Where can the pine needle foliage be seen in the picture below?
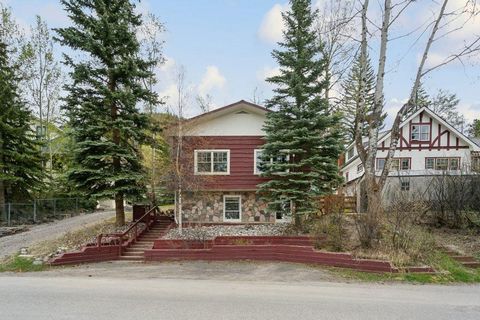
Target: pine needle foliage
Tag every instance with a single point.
(354, 91)
(104, 98)
(20, 157)
(302, 137)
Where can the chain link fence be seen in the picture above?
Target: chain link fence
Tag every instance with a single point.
(43, 210)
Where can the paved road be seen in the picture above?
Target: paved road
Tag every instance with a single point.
(106, 298)
(11, 244)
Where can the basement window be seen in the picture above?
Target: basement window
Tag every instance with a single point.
(405, 186)
(232, 208)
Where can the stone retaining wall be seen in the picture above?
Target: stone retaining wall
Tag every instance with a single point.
(207, 207)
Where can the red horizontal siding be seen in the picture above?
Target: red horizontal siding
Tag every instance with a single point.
(241, 175)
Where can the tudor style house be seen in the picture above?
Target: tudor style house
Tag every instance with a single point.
(428, 146)
(224, 148)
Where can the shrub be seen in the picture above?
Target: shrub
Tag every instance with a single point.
(404, 237)
(330, 231)
(455, 200)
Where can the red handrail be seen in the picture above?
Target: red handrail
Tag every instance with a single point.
(120, 236)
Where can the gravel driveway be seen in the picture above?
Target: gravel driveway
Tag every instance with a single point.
(12, 244)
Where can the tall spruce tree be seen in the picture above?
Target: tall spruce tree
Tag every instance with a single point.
(302, 137)
(20, 158)
(104, 97)
(353, 87)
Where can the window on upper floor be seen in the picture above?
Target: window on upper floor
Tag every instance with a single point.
(475, 163)
(442, 164)
(350, 153)
(41, 132)
(212, 162)
(400, 164)
(420, 132)
(380, 163)
(259, 162)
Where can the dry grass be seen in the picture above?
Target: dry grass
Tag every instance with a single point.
(418, 252)
(74, 240)
(466, 241)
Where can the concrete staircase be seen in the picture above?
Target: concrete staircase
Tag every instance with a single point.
(135, 252)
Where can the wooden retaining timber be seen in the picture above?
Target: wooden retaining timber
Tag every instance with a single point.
(266, 248)
(466, 261)
(88, 254)
(111, 246)
(288, 249)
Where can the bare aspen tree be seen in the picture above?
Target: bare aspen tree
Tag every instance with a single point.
(335, 29)
(205, 103)
(367, 149)
(182, 99)
(257, 96)
(43, 80)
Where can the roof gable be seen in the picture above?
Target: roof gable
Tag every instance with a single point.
(438, 119)
(238, 119)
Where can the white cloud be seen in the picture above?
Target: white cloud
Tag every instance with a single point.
(169, 94)
(212, 79)
(272, 26)
(267, 72)
(433, 59)
(470, 111)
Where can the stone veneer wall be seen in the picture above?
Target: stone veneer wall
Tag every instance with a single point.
(207, 207)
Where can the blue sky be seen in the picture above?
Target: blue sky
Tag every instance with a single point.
(225, 47)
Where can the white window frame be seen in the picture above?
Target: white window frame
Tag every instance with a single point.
(401, 164)
(211, 173)
(360, 168)
(442, 159)
(377, 162)
(255, 169)
(405, 185)
(239, 207)
(350, 153)
(421, 132)
(432, 164)
(285, 218)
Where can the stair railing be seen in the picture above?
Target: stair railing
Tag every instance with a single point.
(132, 233)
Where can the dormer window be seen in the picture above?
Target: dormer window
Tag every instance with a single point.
(420, 132)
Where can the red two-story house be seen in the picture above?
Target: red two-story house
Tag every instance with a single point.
(223, 149)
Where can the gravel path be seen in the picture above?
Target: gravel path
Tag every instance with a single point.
(12, 244)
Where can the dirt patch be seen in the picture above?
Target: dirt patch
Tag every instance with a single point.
(73, 240)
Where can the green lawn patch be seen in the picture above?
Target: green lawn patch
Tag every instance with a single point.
(21, 264)
(449, 271)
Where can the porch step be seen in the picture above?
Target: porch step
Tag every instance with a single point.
(136, 250)
(131, 258)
